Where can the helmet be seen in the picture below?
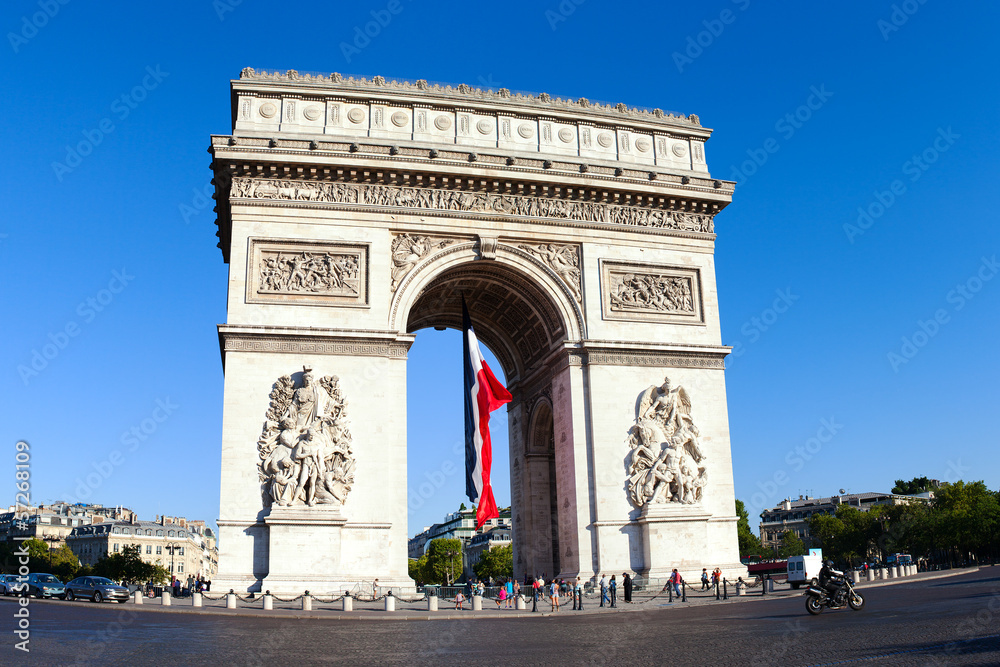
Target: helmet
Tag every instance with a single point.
(828, 563)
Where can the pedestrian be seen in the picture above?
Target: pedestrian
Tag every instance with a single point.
(613, 588)
(509, 587)
(554, 595)
(675, 579)
(579, 594)
(716, 577)
(704, 578)
(375, 589)
(502, 598)
(627, 585)
(604, 589)
(534, 595)
(177, 587)
(517, 589)
(459, 599)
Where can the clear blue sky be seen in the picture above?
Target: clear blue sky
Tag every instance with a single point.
(879, 95)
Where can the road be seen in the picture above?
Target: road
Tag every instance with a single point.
(952, 621)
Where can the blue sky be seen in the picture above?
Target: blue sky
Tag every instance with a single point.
(819, 110)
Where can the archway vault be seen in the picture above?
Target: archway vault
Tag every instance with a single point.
(520, 312)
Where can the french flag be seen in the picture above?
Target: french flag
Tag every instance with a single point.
(483, 395)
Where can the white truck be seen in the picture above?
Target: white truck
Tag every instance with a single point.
(804, 569)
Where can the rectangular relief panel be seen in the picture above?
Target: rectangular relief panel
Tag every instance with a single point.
(651, 293)
(314, 273)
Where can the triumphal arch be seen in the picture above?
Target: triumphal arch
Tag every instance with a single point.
(355, 212)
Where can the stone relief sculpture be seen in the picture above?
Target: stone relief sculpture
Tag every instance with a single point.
(408, 250)
(666, 464)
(460, 200)
(305, 447)
(655, 292)
(310, 272)
(563, 259)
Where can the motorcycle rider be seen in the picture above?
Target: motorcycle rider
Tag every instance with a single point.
(833, 581)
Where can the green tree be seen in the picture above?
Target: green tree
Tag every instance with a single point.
(748, 540)
(417, 568)
(970, 518)
(913, 487)
(496, 563)
(129, 568)
(65, 563)
(444, 561)
(791, 545)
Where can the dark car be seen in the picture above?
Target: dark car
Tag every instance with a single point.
(97, 589)
(45, 586)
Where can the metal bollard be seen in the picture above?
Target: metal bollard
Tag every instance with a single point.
(684, 591)
(231, 599)
(165, 598)
(725, 590)
(390, 602)
(477, 603)
(307, 602)
(137, 597)
(196, 599)
(432, 603)
(268, 601)
(670, 592)
(347, 602)
(718, 595)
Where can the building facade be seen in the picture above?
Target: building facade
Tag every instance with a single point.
(183, 548)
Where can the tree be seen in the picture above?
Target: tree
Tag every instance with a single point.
(913, 487)
(417, 569)
(970, 517)
(791, 545)
(748, 540)
(496, 563)
(444, 561)
(65, 563)
(129, 568)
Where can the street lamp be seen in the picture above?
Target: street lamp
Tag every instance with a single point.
(451, 565)
(171, 547)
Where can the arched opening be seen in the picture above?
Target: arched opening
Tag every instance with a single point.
(520, 322)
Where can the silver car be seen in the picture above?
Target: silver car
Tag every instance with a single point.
(43, 585)
(7, 584)
(97, 589)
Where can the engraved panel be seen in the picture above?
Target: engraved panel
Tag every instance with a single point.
(651, 293)
(307, 273)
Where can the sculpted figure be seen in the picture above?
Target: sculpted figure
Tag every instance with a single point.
(305, 448)
(666, 461)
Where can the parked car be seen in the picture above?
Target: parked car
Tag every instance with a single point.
(97, 589)
(7, 584)
(43, 585)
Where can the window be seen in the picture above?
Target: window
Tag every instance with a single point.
(159, 533)
(116, 547)
(149, 548)
(180, 567)
(180, 551)
(159, 549)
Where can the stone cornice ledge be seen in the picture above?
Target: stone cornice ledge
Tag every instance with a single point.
(313, 340)
(620, 353)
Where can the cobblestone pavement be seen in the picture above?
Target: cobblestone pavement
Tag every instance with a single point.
(942, 621)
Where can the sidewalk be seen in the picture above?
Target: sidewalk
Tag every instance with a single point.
(417, 610)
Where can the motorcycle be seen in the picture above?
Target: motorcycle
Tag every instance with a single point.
(817, 598)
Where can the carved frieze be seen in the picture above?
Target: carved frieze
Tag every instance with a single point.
(666, 464)
(507, 205)
(649, 292)
(563, 259)
(307, 272)
(305, 446)
(408, 250)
